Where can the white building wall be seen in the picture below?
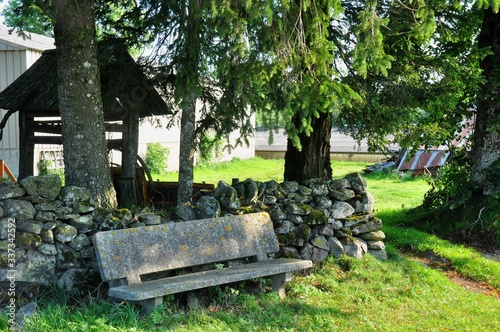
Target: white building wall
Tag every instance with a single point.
(17, 53)
(152, 129)
(151, 132)
(170, 138)
(12, 64)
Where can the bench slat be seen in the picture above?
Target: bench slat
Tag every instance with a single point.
(132, 252)
(188, 282)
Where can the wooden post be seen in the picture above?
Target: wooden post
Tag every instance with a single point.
(130, 145)
(26, 147)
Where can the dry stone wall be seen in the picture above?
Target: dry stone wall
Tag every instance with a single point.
(312, 221)
(54, 225)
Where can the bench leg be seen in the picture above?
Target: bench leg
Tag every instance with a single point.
(149, 304)
(280, 281)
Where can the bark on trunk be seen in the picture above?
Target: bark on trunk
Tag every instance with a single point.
(80, 105)
(187, 150)
(314, 159)
(486, 144)
(189, 80)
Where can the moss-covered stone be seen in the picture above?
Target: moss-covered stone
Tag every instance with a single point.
(36, 268)
(47, 249)
(373, 236)
(104, 220)
(298, 208)
(19, 209)
(65, 233)
(123, 214)
(47, 236)
(29, 226)
(207, 207)
(346, 231)
(45, 216)
(5, 225)
(4, 245)
(299, 198)
(67, 257)
(28, 240)
(357, 182)
(304, 232)
(287, 239)
(316, 217)
(10, 189)
(72, 195)
(289, 252)
(79, 242)
(47, 186)
(5, 255)
(320, 242)
(227, 196)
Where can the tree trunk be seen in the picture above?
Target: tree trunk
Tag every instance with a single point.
(188, 82)
(187, 150)
(314, 159)
(80, 105)
(485, 170)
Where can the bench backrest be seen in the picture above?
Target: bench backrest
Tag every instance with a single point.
(129, 253)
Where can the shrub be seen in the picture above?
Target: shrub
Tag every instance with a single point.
(45, 167)
(210, 148)
(452, 188)
(156, 157)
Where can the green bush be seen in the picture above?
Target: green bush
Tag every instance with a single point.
(210, 148)
(44, 167)
(452, 188)
(156, 157)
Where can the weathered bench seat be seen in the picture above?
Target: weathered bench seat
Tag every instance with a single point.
(126, 257)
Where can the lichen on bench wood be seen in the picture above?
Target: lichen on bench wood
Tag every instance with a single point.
(127, 255)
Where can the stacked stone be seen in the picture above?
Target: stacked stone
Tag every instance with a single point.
(53, 226)
(311, 221)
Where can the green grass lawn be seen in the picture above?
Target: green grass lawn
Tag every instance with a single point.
(256, 168)
(341, 294)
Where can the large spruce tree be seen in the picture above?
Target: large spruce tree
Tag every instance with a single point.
(79, 90)
(80, 105)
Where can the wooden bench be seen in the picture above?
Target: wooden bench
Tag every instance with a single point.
(126, 257)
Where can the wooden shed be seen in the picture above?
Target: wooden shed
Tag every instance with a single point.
(127, 95)
(18, 51)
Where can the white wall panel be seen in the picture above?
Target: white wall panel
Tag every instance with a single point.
(12, 64)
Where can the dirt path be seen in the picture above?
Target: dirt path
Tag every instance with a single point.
(433, 260)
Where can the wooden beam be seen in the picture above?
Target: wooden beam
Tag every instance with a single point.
(31, 139)
(54, 127)
(114, 127)
(115, 144)
(48, 127)
(26, 148)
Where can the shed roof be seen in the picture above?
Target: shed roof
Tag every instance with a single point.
(122, 80)
(23, 40)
